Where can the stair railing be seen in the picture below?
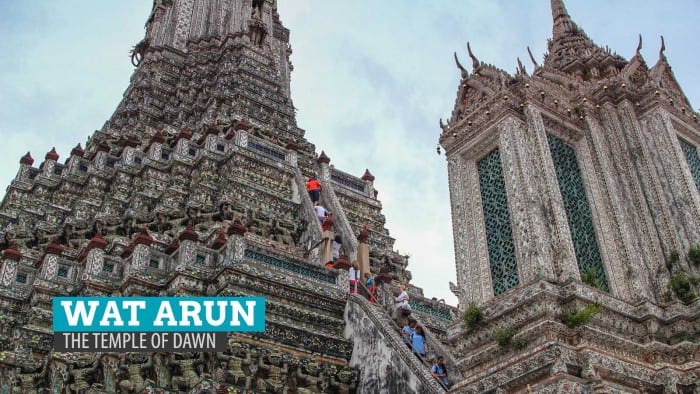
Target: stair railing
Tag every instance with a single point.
(422, 360)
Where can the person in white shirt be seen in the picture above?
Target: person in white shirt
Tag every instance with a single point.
(321, 212)
(401, 301)
(354, 275)
(336, 247)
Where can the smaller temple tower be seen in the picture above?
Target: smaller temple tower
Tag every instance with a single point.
(574, 194)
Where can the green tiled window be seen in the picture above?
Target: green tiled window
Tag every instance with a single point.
(693, 159)
(499, 235)
(578, 212)
(62, 271)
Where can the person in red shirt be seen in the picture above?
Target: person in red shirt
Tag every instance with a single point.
(313, 186)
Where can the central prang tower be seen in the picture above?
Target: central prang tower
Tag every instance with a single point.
(196, 186)
(576, 219)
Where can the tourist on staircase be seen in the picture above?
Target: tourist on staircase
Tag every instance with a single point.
(439, 371)
(321, 212)
(401, 304)
(407, 332)
(354, 275)
(313, 186)
(337, 244)
(418, 342)
(369, 283)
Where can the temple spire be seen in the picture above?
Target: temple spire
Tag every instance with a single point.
(562, 22)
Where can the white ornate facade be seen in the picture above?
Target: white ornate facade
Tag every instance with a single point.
(573, 185)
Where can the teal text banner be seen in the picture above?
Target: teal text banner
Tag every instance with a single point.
(158, 314)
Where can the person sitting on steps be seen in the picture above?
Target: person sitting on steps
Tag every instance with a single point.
(401, 303)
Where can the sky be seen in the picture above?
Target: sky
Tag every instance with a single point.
(371, 80)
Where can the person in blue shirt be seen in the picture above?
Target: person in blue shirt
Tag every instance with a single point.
(439, 371)
(418, 342)
(407, 332)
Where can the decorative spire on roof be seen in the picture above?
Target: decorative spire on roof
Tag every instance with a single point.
(27, 159)
(563, 25)
(571, 51)
(52, 154)
(475, 61)
(322, 158)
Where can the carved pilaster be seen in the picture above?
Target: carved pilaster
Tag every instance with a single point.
(670, 172)
(525, 205)
(616, 239)
(186, 256)
(94, 262)
(549, 215)
(471, 249)
(139, 259)
(235, 250)
(641, 234)
(241, 138)
(8, 272)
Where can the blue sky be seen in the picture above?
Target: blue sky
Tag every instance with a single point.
(370, 81)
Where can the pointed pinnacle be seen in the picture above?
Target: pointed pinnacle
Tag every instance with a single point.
(639, 45)
(532, 58)
(464, 72)
(475, 61)
(562, 22)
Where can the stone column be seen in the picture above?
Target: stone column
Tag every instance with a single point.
(241, 127)
(10, 258)
(49, 163)
(670, 171)
(363, 253)
(471, 249)
(639, 232)
(369, 183)
(550, 230)
(235, 246)
(25, 163)
(291, 154)
(49, 264)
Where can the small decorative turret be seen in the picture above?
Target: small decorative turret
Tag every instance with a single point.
(27, 159)
(237, 228)
(189, 234)
(77, 151)
(242, 124)
(52, 155)
(184, 133)
(368, 176)
(292, 144)
(322, 158)
(12, 252)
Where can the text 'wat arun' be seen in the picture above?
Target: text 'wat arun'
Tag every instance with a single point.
(575, 205)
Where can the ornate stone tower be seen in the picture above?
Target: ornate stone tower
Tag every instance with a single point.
(575, 194)
(196, 185)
